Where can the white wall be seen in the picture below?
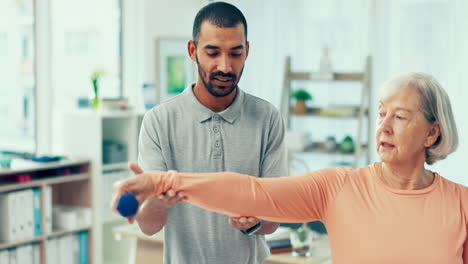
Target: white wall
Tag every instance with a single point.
(167, 19)
(401, 35)
(428, 36)
(144, 23)
(269, 23)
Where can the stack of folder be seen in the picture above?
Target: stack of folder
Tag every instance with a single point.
(279, 245)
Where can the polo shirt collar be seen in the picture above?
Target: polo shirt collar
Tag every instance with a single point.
(202, 113)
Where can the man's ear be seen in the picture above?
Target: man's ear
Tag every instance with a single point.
(433, 135)
(192, 50)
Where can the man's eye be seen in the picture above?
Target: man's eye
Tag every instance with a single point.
(236, 54)
(212, 54)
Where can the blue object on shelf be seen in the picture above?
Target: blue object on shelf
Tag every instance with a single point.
(113, 152)
(127, 205)
(46, 158)
(5, 160)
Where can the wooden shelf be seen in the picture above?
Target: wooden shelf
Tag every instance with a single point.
(4, 245)
(55, 233)
(331, 112)
(111, 218)
(115, 166)
(334, 152)
(38, 166)
(337, 76)
(47, 181)
(318, 151)
(105, 114)
(359, 112)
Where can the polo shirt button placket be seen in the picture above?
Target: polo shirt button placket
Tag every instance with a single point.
(217, 136)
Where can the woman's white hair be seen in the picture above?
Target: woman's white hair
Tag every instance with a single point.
(435, 105)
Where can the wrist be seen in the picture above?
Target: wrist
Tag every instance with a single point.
(253, 229)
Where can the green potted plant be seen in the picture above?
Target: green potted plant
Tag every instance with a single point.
(95, 76)
(301, 97)
(300, 237)
(347, 145)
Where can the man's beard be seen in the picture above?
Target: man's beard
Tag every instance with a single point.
(215, 90)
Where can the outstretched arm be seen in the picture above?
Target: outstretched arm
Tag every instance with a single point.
(285, 199)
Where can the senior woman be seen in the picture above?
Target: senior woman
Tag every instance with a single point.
(392, 211)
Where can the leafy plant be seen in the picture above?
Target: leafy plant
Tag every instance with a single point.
(302, 232)
(95, 75)
(301, 94)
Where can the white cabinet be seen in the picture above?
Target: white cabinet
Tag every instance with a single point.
(84, 133)
(30, 224)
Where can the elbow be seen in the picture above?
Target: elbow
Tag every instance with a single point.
(272, 228)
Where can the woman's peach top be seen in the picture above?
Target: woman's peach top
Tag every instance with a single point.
(367, 221)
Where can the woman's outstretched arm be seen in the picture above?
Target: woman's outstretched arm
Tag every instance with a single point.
(286, 199)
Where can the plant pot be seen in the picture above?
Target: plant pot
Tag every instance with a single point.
(300, 108)
(94, 102)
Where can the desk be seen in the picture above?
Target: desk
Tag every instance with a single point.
(149, 250)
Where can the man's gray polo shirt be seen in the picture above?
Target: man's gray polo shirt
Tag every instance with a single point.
(182, 134)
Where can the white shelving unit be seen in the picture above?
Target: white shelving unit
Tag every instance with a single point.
(83, 135)
(358, 113)
(70, 183)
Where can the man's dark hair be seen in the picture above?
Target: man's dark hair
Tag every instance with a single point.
(220, 14)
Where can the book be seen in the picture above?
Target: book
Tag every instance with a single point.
(279, 245)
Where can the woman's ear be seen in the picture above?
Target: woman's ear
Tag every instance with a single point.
(433, 135)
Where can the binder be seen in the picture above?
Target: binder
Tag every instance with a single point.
(8, 228)
(48, 209)
(12, 256)
(27, 208)
(24, 254)
(75, 240)
(64, 249)
(83, 247)
(52, 254)
(20, 216)
(36, 254)
(37, 211)
(4, 256)
(20, 255)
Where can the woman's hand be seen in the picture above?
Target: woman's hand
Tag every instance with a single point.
(141, 185)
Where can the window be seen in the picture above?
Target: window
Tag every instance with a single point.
(17, 71)
(85, 36)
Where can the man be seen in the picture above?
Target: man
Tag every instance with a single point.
(212, 126)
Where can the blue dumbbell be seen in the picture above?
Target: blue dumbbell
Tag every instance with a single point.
(127, 205)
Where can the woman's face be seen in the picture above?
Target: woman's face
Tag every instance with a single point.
(403, 133)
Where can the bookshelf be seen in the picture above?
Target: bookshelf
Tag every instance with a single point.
(64, 183)
(95, 128)
(327, 114)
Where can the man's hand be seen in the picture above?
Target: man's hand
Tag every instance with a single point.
(243, 223)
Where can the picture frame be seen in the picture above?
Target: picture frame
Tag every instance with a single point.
(174, 68)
